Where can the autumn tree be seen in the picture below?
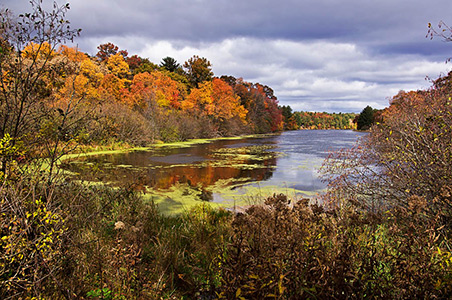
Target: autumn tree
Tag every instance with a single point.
(73, 54)
(226, 102)
(109, 49)
(111, 88)
(116, 79)
(404, 161)
(217, 100)
(259, 100)
(74, 96)
(29, 43)
(198, 70)
(275, 117)
(84, 79)
(156, 87)
(117, 66)
(199, 100)
(271, 118)
(135, 62)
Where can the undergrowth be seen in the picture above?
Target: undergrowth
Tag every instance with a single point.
(74, 241)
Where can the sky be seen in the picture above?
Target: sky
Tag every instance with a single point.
(317, 55)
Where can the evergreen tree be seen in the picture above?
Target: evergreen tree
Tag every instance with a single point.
(365, 118)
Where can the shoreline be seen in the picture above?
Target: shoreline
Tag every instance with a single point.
(184, 144)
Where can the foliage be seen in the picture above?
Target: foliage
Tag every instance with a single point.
(109, 49)
(301, 251)
(198, 70)
(120, 247)
(33, 231)
(264, 114)
(408, 154)
(321, 120)
(12, 153)
(216, 99)
(383, 232)
(117, 65)
(68, 97)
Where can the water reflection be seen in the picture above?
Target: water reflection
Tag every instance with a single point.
(289, 160)
(246, 160)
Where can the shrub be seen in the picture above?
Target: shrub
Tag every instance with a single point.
(33, 231)
(296, 251)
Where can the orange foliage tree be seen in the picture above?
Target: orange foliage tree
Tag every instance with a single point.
(72, 53)
(215, 99)
(85, 78)
(155, 86)
(111, 88)
(226, 102)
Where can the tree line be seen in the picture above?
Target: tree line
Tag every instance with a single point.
(317, 120)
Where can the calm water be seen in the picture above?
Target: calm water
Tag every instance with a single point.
(304, 152)
(225, 168)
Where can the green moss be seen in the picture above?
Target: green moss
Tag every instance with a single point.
(229, 193)
(192, 142)
(249, 194)
(177, 199)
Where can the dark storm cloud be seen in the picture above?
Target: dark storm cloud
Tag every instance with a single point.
(200, 21)
(316, 54)
(207, 20)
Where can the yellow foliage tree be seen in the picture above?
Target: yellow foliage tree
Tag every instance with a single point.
(42, 51)
(118, 66)
(200, 99)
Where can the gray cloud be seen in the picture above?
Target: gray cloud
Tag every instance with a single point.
(325, 55)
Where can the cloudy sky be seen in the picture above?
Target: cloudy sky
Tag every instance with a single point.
(317, 55)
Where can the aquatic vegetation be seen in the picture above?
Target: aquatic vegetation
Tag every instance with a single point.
(179, 198)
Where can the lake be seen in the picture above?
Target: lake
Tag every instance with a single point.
(227, 172)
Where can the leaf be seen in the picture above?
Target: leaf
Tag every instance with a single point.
(238, 292)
